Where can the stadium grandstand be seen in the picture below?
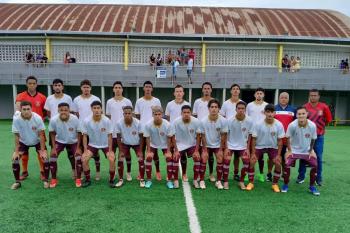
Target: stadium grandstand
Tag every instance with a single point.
(231, 45)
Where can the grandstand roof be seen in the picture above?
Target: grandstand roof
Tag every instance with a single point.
(168, 20)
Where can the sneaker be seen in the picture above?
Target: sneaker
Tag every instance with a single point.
(196, 184)
(148, 184)
(319, 183)
(78, 183)
(300, 181)
(284, 188)
(53, 183)
(226, 187)
(218, 185)
(16, 185)
(202, 184)
(119, 183)
(236, 177)
(250, 187)
(314, 190)
(269, 177)
(142, 183)
(212, 178)
(111, 184)
(24, 176)
(176, 184)
(184, 178)
(260, 177)
(98, 176)
(170, 185)
(46, 185)
(276, 188)
(158, 176)
(86, 184)
(242, 186)
(128, 176)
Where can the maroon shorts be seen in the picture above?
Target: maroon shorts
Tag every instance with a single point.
(23, 148)
(189, 152)
(155, 151)
(271, 152)
(237, 153)
(212, 151)
(95, 150)
(71, 148)
(311, 161)
(126, 149)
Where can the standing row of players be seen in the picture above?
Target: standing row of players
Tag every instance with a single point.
(237, 129)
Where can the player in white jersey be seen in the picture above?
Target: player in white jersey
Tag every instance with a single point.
(255, 110)
(172, 112)
(52, 102)
(214, 134)
(63, 130)
(238, 142)
(186, 142)
(200, 110)
(114, 110)
(143, 112)
(98, 128)
(228, 110)
(29, 131)
(267, 138)
(158, 134)
(128, 131)
(301, 136)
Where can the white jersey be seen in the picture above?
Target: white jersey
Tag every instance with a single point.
(186, 134)
(130, 134)
(256, 111)
(300, 137)
(173, 109)
(238, 133)
(16, 114)
(228, 109)
(98, 131)
(52, 103)
(114, 108)
(158, 135)
(213, 130)
(28, 130)
(200, 108)
(267, 135)
(83, 106)
(66, 131)
(143, 107)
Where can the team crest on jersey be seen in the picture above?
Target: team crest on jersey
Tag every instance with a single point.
(71, 129)
(34, 128)
(103, 129)
(37, 103)
(191, 130)
(273, 133)
(307, 135)
(320, 112)
(218, 129)
(133, 132)
(162, 134)
(244, 129)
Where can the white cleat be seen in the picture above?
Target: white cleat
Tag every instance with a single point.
(226, 186)
(184, 178)
(142, 183)
(176, 184)
(212, 178)
(128, 176)
(196, 184)
(119, 183)
(202, 184)
(46, 185)
(98, 176)
(218, 185)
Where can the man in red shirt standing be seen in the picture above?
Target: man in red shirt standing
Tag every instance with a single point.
(320, 114)
(38, 101)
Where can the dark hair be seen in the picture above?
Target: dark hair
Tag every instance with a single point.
(214, 101)
(241, 103)
(179, 86)
(299, 108)
(95, 103)
(269, 108)
(25, 103)
(63, 104)
(235, 85)
(31, 78)
(85, 82)
(207, 83)
(127, 107)
(314, 90)
(56, 81)
(147, 82)
(118, 83)
(260, 89)
(186, 107)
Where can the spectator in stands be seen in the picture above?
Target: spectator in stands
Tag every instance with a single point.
(189, 70)
(29, 58)
(41, 59)
(68, 58)
(182, 56)
(192, 54)
(292, 64)
(170, 57)
(297, 64)
(152, 60)
(159, 60)
(174, 64)
(286, 63)
(346, 66)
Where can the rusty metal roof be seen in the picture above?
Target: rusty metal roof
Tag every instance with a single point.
(173, 20)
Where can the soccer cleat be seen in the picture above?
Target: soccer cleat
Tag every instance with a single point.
(184, 178)
(86, 184)
(242, 186)
(46, 185)
(176, 184)
(195, 184)
(314, 191)
(269, 177)
(250, 187)
(24, 176)
(158, 176)
(202, 184)
(128, 176)
(98, 176)
(226, 187)
(236, 177)
(142, 183)
(170, 185)
(319, 183)
(276, 188)
(212, 178)
(148, 184)
(261, 177)
(53, 183)
(111, 184)
(300, 181)
(78, 183)
(119, 183)
(16, 185)
(218, 185)
(284, 188)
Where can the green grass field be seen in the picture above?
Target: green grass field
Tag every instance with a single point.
(101, 209)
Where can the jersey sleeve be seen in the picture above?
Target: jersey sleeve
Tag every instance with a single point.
(224, 128)
(83, 127)
(255, 131)
(280, 131)
(289, 131)
(117, 128)
(15, 126)
(223, 110)
(52, 126)
(167, 113)
(314, 132)
(328, 114)
(108, 108)
(158, 103)
(75, 105)
(137, 107)
(109, 126)
(171, 130)
(47, 105)
(129, 103)
(195, 106)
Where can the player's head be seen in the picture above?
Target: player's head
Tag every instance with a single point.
(283, 99)
(240, 108)
(207, 88)
(118, 88)
(85, 87)
(32, 83)
(96, 108)
(127, 112)
(186, 112)
(301, 114)
(269, 111)
(157, 113)
(259, 94)
(214, 106)
(314, 96)
(26, 109)
(57, 86)
(64, 111)
(147, 88)
(179, 92)
(235, 89)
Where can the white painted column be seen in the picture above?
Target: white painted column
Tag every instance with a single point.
(190, 95)
(103, 99)
(14, 95)
(276, 96)
(137, 93)
(223, 95)
(49, 90)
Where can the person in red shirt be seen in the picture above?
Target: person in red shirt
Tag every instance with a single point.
(320, 114)
(38, 101)
(192, 54)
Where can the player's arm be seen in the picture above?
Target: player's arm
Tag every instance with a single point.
(52, 135)
(110, 142)
(42, 151)
(80, 139)
(253, 144)
(85, 142)
(312, 144)
(328, 115)
(280, 145)
(249, 144)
